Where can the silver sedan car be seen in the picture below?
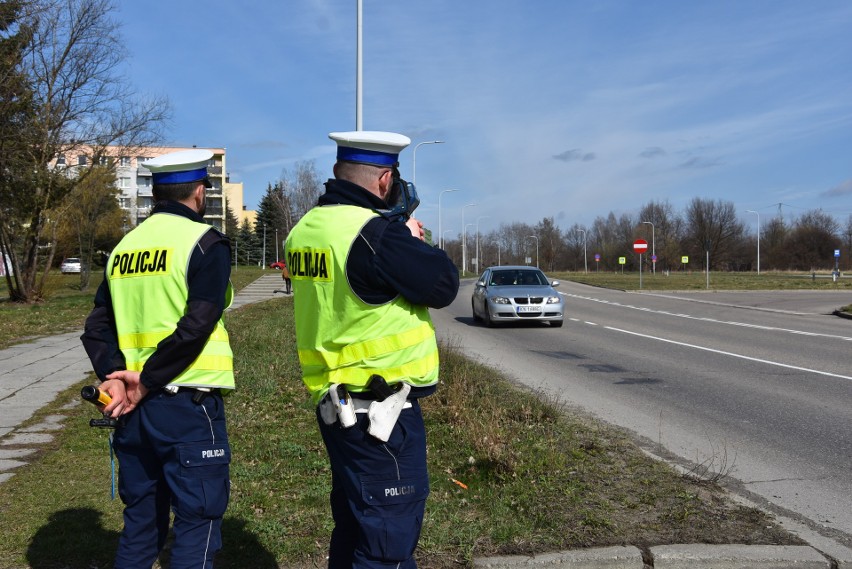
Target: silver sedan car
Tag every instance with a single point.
(515, 294)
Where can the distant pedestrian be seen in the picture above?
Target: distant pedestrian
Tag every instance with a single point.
(157, 342)
(364, 281)
(285, 274)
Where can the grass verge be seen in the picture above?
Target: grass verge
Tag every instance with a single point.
(510, 473)
(67, 306)
(697, 280)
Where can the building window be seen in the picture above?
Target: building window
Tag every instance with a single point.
(124, 183)
(60, 160)
(81, 160)
(143, 182)
(103, 161)
(140, 159)
(144, 201)
(124, 160)
(124, 202)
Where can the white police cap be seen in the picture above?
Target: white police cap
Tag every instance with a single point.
(370, 146)
(180, 167)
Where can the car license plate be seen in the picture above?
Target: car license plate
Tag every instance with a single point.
(529, 309)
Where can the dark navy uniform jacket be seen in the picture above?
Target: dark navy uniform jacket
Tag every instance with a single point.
(207, 277)
(385, 261)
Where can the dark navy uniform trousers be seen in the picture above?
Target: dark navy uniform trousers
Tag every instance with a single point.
(378, 493)
(173, 454)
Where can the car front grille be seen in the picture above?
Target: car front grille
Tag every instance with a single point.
(529, 300)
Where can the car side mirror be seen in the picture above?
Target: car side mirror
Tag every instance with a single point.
(480, 283)
(554, 283)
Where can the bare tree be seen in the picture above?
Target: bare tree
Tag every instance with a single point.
(90, 215)
(774, 243)
(847, 233)
(551, 243)
(666, 233)
(812, 241)
(79, 104)
(713, 226)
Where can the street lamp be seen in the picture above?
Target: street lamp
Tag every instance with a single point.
(536, 249)
(585, 262)
(276, 243)
(414, 158)
(442, 236)
(758, 238)
(477, 241)
(440, 232)
(264, 245)
(464, 244)
(653, 248)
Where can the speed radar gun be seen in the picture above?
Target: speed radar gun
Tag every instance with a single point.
(100, 399)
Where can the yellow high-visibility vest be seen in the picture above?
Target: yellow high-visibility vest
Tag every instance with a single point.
(146, 274)
(340, 338)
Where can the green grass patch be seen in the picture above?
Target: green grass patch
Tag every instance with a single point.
(511, 472)
(697, 280)
(66, 307)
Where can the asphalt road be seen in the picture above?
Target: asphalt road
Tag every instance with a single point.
(755, 385)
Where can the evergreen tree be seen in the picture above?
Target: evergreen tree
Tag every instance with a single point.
(232, 224)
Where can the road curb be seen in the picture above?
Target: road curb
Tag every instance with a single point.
(688, 556)
(616, 557)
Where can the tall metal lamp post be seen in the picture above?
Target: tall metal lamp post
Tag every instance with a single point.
(414, 158)
(264, 246)
(585, 262)
(758, 238)
(464, 241)
(653, 247)
(440, 230)
(478, 265)
(536, 249)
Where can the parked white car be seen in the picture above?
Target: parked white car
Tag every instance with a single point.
(70, 265)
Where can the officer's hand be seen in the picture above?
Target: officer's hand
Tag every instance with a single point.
(416, 228)
(115, 389)
(135, 390)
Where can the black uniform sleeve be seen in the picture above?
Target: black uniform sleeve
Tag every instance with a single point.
(386, 261)
(208, 274)
(100, 338)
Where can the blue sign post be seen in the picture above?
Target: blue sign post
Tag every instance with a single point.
(836, 273)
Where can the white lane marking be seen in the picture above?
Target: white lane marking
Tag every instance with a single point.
(733, 355)
(713, 320)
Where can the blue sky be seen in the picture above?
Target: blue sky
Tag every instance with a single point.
(548, 108)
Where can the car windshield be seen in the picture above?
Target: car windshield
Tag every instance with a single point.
(72, 260)
(517, 277)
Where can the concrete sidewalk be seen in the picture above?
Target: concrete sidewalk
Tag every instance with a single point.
(32, 374)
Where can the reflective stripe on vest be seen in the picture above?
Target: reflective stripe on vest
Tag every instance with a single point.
(146, 274)
(340, 338)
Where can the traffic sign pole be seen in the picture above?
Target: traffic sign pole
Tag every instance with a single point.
(640, 246)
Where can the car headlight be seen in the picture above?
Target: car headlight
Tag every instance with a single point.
(553, 300)
(499, 300)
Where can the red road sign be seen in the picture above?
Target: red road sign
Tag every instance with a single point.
(640, 245)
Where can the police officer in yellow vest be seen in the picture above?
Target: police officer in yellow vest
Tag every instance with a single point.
(157, 342)
(363, 281)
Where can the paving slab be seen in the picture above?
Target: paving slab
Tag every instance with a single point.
(618, 557)
(700, 556)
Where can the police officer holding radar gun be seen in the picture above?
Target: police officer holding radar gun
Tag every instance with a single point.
(363, 281)
(157, 342)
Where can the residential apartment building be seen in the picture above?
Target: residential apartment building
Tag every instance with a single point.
(134, 181)
(234, 197)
